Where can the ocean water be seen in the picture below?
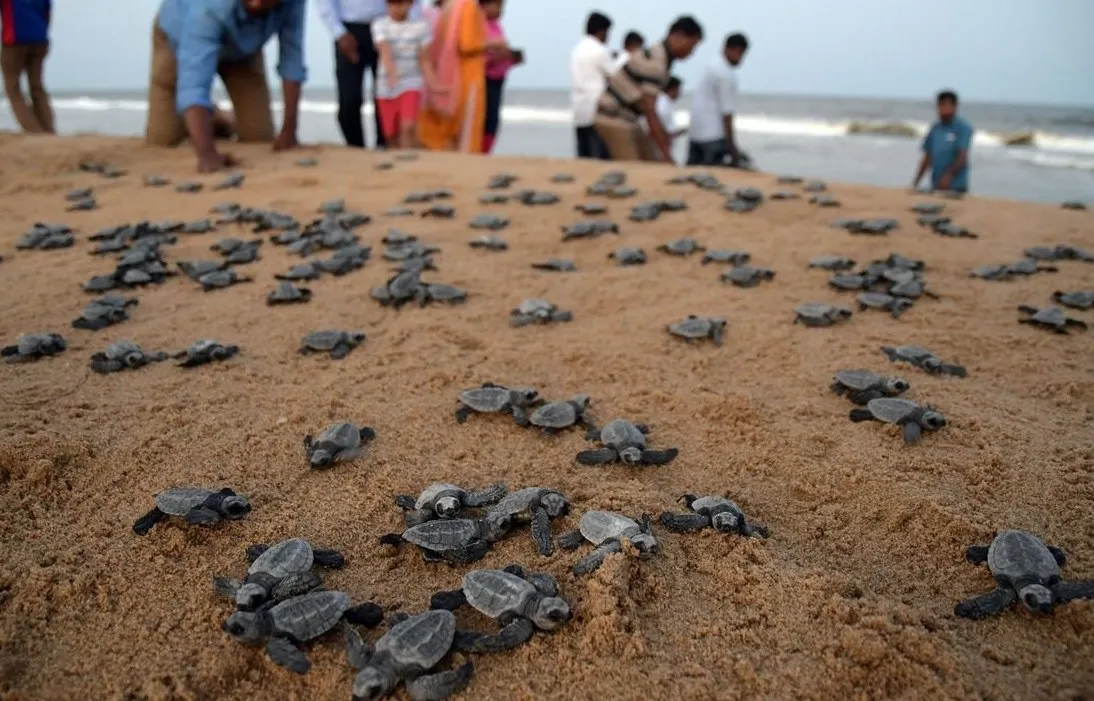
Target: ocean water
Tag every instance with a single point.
(806, 136)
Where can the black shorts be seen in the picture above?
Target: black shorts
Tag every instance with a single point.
(590, 145)
(494, 89)
(707, 153)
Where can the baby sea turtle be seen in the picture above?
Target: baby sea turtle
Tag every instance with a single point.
(218, 279)
(537, 311)
(519, 606)
(644, 213)
(911, 417)
(824, 201)
(953, 231)
(306, 162)
(589, 228)
(298, 620)
(277, 572)
(558, 265)
(681, 247)
(490, 398)
(234, 180)
(337, 443)
(927, 208)
(815, 314)
(501, 181)
(205, 351)
(156, 181)
(1074, 204)
(85, 205)
(493, 198)
(33, 346)
(697, 328)
(489, 222)
(860, 386)
(288, 293)
(624, 442)
(880, 300)
(440, 211)
(188, 187)
(413, 646)
(788, 180)
(607, 530)
(1025, 569)
(537, 197)
(194, 269)
(399, 212)
(534, 505)
(123, 354)
(440, 292)
(104, 311)
(454, 540)
(815, 186)
(304, 271)
(741, 206)
(337, 343)
(1081, 299)
(849, 282)
(628, 256)
(728, 256)
(747, 276)
(562, 178)
(489, 243)
(784, 195)
(556, 416)
(719, 513)
(923, 359)
(196, 504)
(591, 208)
(1051, 318)
(443, 500)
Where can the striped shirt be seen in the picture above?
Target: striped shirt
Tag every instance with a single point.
(645, 74)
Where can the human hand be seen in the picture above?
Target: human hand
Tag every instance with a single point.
(392, 81)
(347, 46)
(944, 182)
(212, 162)
(285, 141)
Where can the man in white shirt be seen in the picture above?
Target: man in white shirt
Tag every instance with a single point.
(711, 140)
(666, 109)
(590, 65)
(349, 22)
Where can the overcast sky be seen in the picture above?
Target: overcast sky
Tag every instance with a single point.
(989, 50)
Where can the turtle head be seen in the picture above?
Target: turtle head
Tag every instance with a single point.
(524, 396)
(133, 359)
(373, 683)
(235, 507)
(581, 401)
(1036, 597)
(247, 627)
(631, 455)
(555, 504)
(896, 385)
(551, 613)
(495, 526)
(726, 522)
(647, 545)
(933, 420)
(932, 364)
(321, 458)
(250, 596)
(447, 506)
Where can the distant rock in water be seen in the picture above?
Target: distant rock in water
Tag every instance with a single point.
(1021, 138)
(900, 129)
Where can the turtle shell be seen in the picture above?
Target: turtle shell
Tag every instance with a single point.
(343, 435)
(445, 293)
(1050, 316)
(122, 349)
(554, 415)
(859, 379)
(692, 327)
(705, 505)
(876, 300)
(620, 433)
(282, 559)
(286, 292)
(433, 492)
(485, 399)
(1015, 555)
(534, 306)
(891, 409)
(179, 500)
(496, 593)
(518, 502)
(421, 641)
(324, 340)
(444, 534)
(724, 255)
(599, 526)
(310, 615)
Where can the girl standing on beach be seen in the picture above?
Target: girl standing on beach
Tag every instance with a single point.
(498, 62)
(404, 72)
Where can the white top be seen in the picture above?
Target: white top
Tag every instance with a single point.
(714, 97)
(590, 65)
(666, 111)
(335, 13)
(621, 59)
(407, 39)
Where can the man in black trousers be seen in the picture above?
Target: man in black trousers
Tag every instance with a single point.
(349, 21)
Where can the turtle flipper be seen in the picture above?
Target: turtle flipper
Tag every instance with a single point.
(520, 416)
(417, 516)
(519, 320)
(717, 335)
(487, 496)
(340, 351)
(309, 445)
(406, 502)
(977, 554)
(684, 523)
(541, 531)
(593, 560)
(912, 431)
(863, 397)
(448, 600)
(472, 552)
(287, 655)
(367, 434)
(331, 559)
(518, 632)
(659, 457)
(571, 540)
(441, 685)
(593, 434)
(955, 370)
(989, 604)
(201, 514)
(357, 651)
(145, 523)
(1058, 555)
(294, 585)
(463, 412)
(1063, 592)
(544, 582)
(226, 587)
(858, 415)
(254, 551)
(753, 530)
(600, 456)
(367, 614)
(643, 429)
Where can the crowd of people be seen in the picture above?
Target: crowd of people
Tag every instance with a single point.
(438, 71)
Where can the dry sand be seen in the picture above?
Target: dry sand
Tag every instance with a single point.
(851, 597)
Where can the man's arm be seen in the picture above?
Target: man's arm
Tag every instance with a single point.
(291, 68)
(964, 141)
(197, 56)
(328, 14)
(726, 91)
(657, 129)
(925, 160)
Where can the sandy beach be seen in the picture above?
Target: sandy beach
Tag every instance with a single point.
(851, 597)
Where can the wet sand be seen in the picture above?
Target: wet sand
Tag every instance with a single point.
(851, 596)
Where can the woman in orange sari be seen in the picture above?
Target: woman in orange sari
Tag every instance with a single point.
(453, 119)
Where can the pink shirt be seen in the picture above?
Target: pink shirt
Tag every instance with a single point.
(496, 68)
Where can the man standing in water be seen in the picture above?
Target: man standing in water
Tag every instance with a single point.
(24, 48)
(711, 137)
(350, 23)
(193, 41)
(946, 148)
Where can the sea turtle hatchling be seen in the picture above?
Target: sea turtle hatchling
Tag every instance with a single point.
(453, 540)
(913, 418)
(337, 344)
(860, 386)
(444, 500)
(490, 222)
(951, 230)
(815, 314)
(720, 513)
(85, 205)
(927, 208)
(1025, 569)
(298, 620)
(33, 346)
(923, 359)
(489, 243)
(558, 265)
(205, 351)
(412, 647)
(537, 311)
(880, 300)
(440, 211)
(844, 281)
(698, 328)
(196, 504)
(536, 506)
(235, 180)
(277, 572)
(815, 186)
(304, 271)
(553, 417)
(591, 208)
(681, 247)
(644, 213)
(607, 530)
(726, 256)
(624, 442)
(440, 292)
(1051, 318)
(589, 228)
(121, 355)
(490, 398)
(561, 178)
(337, 443)
(824, 201)
(519, 604)
(155, 181)
(627, 256)
(493, 198)
(747, 276)
(533, 198)
(188, 187)
(103, 312)
(1080, 299)
(218, 279)
(1074, 205)
(288, 293)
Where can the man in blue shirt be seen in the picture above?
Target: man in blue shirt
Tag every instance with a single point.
(193, 41)
(946, 148)
(24, 26)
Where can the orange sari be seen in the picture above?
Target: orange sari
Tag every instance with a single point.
(454, 121)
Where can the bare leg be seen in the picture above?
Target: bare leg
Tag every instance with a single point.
(14, 62)
(250, 95)
(164, 126)
(39, 98)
